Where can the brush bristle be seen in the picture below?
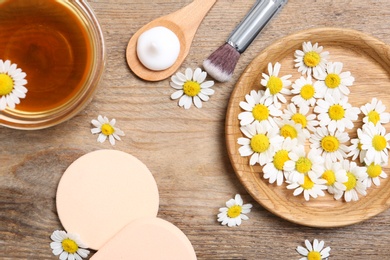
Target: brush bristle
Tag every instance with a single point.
(221, 63)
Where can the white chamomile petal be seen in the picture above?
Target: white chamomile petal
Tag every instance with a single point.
(106, 129)
(256, 108)
(275, 85)
(191, 88)
(12, 83)
(234, 212)
(68, 246)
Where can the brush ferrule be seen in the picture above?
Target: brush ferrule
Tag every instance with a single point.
(252, 24)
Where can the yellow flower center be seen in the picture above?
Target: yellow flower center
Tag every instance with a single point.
(313, 255)
(107, 129)
(374, 170)
(260, 112)
(191, 88)
(288, 131)
(307, 183)
(373, 117)
(234, 211)
(329, 176)
(260, 143)
(300, 119)
(351, 183)
(6, 84)
(359, 146)
(330, 144)
(332, 80)
(379, 142)
(307, 91)
(69, 246)
(336, 112)
(274, 84)
(303, 165)
(280, 158)
(311, 58)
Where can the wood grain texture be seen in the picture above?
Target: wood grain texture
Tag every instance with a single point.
(184, 149)
(366, 58)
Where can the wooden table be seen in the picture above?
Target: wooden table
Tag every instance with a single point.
(184, 149)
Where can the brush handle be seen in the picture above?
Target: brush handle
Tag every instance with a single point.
(252, 24)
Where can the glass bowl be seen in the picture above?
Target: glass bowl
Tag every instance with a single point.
(60, 46)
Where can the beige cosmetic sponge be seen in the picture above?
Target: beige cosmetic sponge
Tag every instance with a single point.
(148, 238)
(103, 191)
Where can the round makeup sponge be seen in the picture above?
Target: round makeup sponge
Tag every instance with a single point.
(103, 191)
(148, 238)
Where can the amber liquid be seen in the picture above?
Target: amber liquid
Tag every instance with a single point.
(50, 43)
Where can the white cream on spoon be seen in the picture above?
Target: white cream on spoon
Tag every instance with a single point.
(158, 48)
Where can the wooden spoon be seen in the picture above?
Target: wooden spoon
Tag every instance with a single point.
(184, 23)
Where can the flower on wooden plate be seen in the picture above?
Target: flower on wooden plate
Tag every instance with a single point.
(281, 162)
(301, 116)
(355, 149)
(304, 164)
(330, 144)
(356, 184)
(311, 185)
(191, 87)
(334, 82)
(68, 246)
(12, 84)
(315, 251)
(335, 176)
(288, 128)
(275, 86)
(259, 143)
(234, 212)
(106, 129)
(306, 92)
(375, 141)
(336, 112)
(257, 108)
(374, 112)
(374, 171)
(312, 59)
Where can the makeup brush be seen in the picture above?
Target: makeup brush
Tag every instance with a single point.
(221, 63)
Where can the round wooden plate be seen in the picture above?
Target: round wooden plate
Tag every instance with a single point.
(368, 59)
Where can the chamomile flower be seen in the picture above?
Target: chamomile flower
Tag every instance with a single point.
(234, 212)
(274, 170)
(12, 85)
(334, 82)
(374, 171)
(375, 140)
(301, 116)
(259, 143)
(357, 181)
(330, 144)
(106, 129)
(374, 112)
(312, 59)
(276, 86)
(355, 149)
(258, 109)
(315, 251)
(191, 87)
(305, 91)
(288, 128)
(335, 176)
(336, 113)
(68, 246)
(311, 186)
(304, 164)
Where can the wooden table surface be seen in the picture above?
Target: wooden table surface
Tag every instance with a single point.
(184, 149)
